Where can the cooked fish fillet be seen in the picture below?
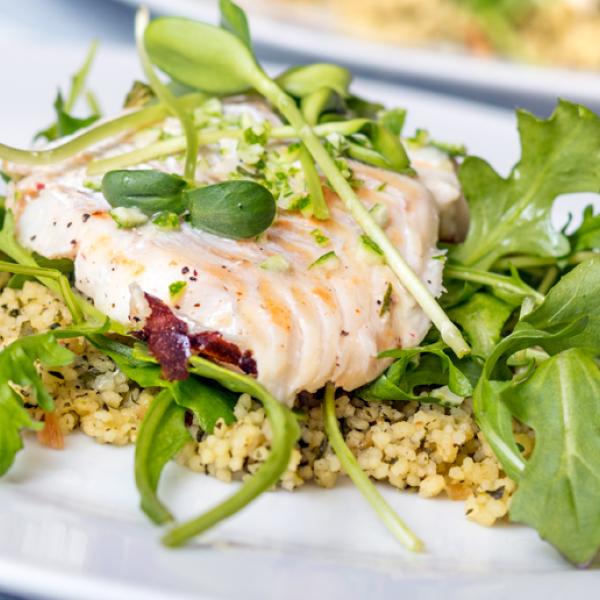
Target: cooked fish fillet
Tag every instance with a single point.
(305, 326)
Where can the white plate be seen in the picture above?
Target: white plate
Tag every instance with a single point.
(312, 33)
(70, 526)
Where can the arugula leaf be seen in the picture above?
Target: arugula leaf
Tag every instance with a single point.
(17, 367)
(587, 236)
(207, 401)
(482, 318)
(573, 298)
(559, 156)
(162, 435)
(412, 370)
(65, 123)
(559, 488)
(64, 265)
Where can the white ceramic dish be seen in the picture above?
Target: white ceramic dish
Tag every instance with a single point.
(311, 32)
(70, 527)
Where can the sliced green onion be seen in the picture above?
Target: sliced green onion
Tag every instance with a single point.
(276, 264)
(390, 518)
(176, 289)
(128, 217)
(328, 261)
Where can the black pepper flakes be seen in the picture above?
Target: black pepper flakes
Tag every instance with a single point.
(85, 217)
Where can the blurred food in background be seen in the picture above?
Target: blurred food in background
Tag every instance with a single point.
(552, 32)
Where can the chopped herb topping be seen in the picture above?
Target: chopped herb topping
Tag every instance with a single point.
(167, 220)
(327, 261)
(127, 218)
(319, 237)
(276, 264)
(387, 300)
(176, 289)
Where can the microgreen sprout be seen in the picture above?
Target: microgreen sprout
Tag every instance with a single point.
(386, 513)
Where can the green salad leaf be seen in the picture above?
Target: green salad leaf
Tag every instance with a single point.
(420, 367)
(18, 368)
(587, 235)
(66, 123)
(233, 18)
(161, 436)
(559, 155)
(233, 209)
(149, 190)
(573, 298)
(482, 318)
(558, 396)
(559, 488)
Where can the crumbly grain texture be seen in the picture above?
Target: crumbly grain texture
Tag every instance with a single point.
(425, 448)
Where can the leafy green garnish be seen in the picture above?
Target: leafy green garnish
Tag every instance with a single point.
(587, 236)
(18, 367)
(65, 123)
(166, 96)
(414, 369)
(482, 318)
(559, 156)
(560, 401)
(149, 190)
(559, 488)
(161, 436)
(234, 19)
(232, 209)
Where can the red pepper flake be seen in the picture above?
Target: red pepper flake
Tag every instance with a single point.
(40, 186)
(171, 343)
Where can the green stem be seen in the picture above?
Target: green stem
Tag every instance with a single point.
(178, 144)
(166, 97)
(501, 282)
(131, 121)
(348, 461)
(548, 281)
(155, 415)
(52, 279)
(284, 430)
(313, 184)
(523, 262)
(80, 78)
(408, 278)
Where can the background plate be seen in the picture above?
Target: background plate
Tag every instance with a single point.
(311, 32)
(70, 526)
